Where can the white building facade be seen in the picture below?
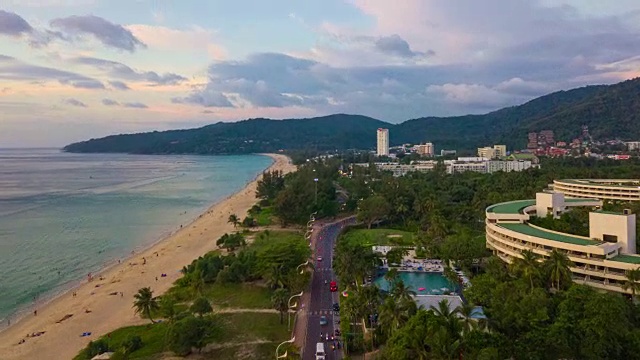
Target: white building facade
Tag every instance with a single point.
(383, 142)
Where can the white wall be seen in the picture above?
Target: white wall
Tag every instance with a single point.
(619, 225)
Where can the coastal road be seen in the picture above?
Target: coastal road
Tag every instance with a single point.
(322, 299)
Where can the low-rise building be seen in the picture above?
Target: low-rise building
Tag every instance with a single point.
(600, 260)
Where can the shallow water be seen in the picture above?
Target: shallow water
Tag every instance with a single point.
(65, 215)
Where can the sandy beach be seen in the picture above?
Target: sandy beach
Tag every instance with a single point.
(91, 305)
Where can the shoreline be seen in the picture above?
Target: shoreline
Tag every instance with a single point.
(97, 307)
(24, 311)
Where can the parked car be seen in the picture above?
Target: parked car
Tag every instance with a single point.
(323, 320)
(333, 286)
(336, 307)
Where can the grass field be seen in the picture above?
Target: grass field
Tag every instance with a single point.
(241, 296)
(379, 237)
(264, 217)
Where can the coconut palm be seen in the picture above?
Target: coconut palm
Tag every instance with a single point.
(393, 314)
(466, 310)
(144, 302)
(233, 218)
(632, 282)
(275, 277)
(391, 276)
(402, 292)
(528, 266)
(557, 266)
(279, 301)
(444, 346)
(447, 318)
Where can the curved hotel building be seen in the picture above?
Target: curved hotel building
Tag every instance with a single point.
(612, 189)
(600, 260)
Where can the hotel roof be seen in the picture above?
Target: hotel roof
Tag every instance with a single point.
(548, 235)
(512, 207)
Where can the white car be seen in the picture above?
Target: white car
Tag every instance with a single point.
(319, 258)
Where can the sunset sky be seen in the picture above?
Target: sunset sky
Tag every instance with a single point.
(76, 69)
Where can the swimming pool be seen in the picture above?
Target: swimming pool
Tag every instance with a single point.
(433, 283)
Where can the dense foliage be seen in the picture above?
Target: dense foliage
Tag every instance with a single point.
(609, 111)
(533, 309)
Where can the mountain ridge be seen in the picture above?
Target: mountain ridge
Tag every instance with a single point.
(610, 111)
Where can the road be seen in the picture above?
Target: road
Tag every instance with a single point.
(322, 299)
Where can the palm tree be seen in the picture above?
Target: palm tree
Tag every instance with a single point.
(279, 301)
(557, 266)
(451, 275)
(275, 277)
(391, 276)
(443, 345)
(468, 323)
(527, 266)
(233, 218)
(392, 315)
(145, 302)
(632, 282)
(448, 318)
(402, 292)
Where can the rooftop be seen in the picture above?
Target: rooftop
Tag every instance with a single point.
(616, 183)
(631, 259)
(548, 235)
(512, 207)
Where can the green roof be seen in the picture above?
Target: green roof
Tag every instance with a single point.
(628, 183)
(541, 233)
(610, 212)
(512, 207)
(632, 259)
(569, 200)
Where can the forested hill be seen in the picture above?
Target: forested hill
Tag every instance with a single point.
(610, 111)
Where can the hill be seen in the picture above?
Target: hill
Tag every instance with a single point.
(610, 111)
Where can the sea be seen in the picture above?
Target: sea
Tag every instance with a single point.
(64, 215)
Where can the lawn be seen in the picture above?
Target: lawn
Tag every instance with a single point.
(379, 237)
(241, 296)
(247, 327)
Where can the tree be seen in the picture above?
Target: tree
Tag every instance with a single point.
(145, 303)
(447, 318)
(557, 266)
(190, 332)
(468, 323)
(527, 266)
(269, 185)
(632, 282)
(391, 276)
(395, 255)
(231, 241)
(393, 314)
(131, 344)
(402, 292)
(201, 306)
(167, 307)
(275, 276)
(372, 209)
(233, 219)
(279, 301)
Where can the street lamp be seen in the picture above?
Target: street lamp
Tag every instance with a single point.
(303, 264)
(285, 353)
(315, 180)
(291, 307)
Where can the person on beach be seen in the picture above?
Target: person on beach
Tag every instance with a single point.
(144, 261)
(35, 312)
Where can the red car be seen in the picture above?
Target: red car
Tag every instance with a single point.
(333, 286)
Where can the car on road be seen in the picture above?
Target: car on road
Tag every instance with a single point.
(323, 320)
(336, 307)
(319, 258)
(320, 353)
(333, 286)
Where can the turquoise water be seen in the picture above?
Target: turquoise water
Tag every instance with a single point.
(432, 282)
(65, 215)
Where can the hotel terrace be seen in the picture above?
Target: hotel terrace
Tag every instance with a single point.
(600, 260)
(625, 190)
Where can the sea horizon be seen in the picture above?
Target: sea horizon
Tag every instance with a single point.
(65, 215)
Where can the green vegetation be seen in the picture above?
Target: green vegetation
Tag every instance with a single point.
(609, 111)
(221, 302)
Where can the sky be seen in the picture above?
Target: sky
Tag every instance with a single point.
(71, 70)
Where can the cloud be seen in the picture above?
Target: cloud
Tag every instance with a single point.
(124, 72)
(135, 105)
(13, 69)
(13, 25)
(109, 102)
(110, 34)
(119, 85)
(193, 39)
(395, 45)
(74, 102)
